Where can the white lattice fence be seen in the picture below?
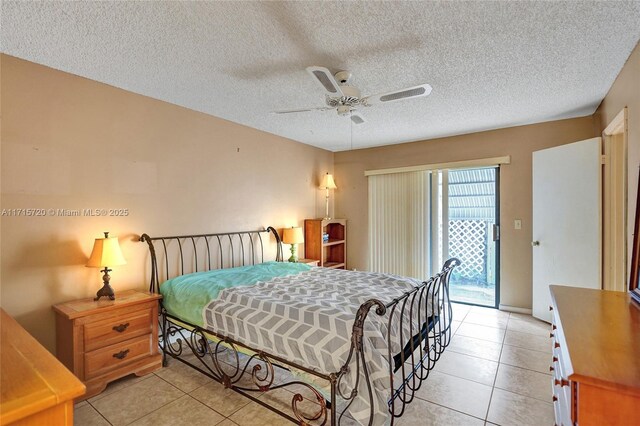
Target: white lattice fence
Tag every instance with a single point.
(468, 242)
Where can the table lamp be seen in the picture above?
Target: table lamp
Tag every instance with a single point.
(327, 184)
(293, 236)
(106, 252)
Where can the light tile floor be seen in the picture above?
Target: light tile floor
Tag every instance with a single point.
(495, 371)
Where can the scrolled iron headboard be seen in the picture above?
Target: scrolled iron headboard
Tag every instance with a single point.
(224, 250)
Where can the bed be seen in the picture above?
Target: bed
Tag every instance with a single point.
(358, 344)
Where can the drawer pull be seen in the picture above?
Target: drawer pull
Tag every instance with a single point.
(553, 326)
(551, 308)
(554, 399)
(555, 359)
(561, 382)
(551, 368)
(551, 335)
(123, 354)
(556, 345)
(120, 328)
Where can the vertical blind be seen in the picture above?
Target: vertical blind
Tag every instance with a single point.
(399, 228)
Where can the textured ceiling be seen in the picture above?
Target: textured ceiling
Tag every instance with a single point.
(491, 64)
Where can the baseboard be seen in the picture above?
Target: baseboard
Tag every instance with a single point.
(515, 309)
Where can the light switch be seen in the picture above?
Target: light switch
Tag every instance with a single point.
(517, 224)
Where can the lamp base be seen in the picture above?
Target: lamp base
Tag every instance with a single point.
(106, 289)
(326, 200)
(293, 257)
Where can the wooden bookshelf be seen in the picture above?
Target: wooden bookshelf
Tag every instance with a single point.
(331, 253)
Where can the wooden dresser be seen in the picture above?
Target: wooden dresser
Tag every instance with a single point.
(101, 341)
(35, 388)
(596, 357)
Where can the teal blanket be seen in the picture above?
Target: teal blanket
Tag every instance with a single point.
(186, 296)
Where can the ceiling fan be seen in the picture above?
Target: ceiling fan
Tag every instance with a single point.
(346, 99)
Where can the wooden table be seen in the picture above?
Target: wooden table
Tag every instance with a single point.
(35, 388)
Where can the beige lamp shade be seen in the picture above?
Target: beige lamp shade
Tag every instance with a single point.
(327, 182)
(293, 235)
(106, 252)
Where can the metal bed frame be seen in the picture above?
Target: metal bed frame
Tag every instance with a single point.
(202, 349)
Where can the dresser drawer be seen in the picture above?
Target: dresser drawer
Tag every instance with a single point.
(115, 356)
(562, 395)
(113, 330)
(562, 408)
(560, 384)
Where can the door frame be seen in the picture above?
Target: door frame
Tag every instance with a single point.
(615, 252)
(498, 265)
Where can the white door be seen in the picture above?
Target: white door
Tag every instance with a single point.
(566, 220)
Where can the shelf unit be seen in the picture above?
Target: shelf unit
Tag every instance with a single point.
(331, 254)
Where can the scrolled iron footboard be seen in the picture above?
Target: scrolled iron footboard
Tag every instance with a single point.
(420, 317)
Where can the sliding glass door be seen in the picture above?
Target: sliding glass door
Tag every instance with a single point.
(419, 219)
(465, 218)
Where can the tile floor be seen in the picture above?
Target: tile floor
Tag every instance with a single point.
(496, 371)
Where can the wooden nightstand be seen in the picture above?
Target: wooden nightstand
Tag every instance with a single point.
(101, 341)
(310, 262)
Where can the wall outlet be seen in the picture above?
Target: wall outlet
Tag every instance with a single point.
(517, 224)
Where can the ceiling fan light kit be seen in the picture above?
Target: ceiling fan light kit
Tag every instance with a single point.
(346, 99)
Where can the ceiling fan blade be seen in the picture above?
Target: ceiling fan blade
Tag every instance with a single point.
(357, 118)
(301, 110)
(398, 95)
(325, 79)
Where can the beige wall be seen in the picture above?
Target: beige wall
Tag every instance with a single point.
(625, 91)
(515, 188)
(72, 143)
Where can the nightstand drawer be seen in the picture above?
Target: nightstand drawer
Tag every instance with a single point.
(113, 330)
(115, 356)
